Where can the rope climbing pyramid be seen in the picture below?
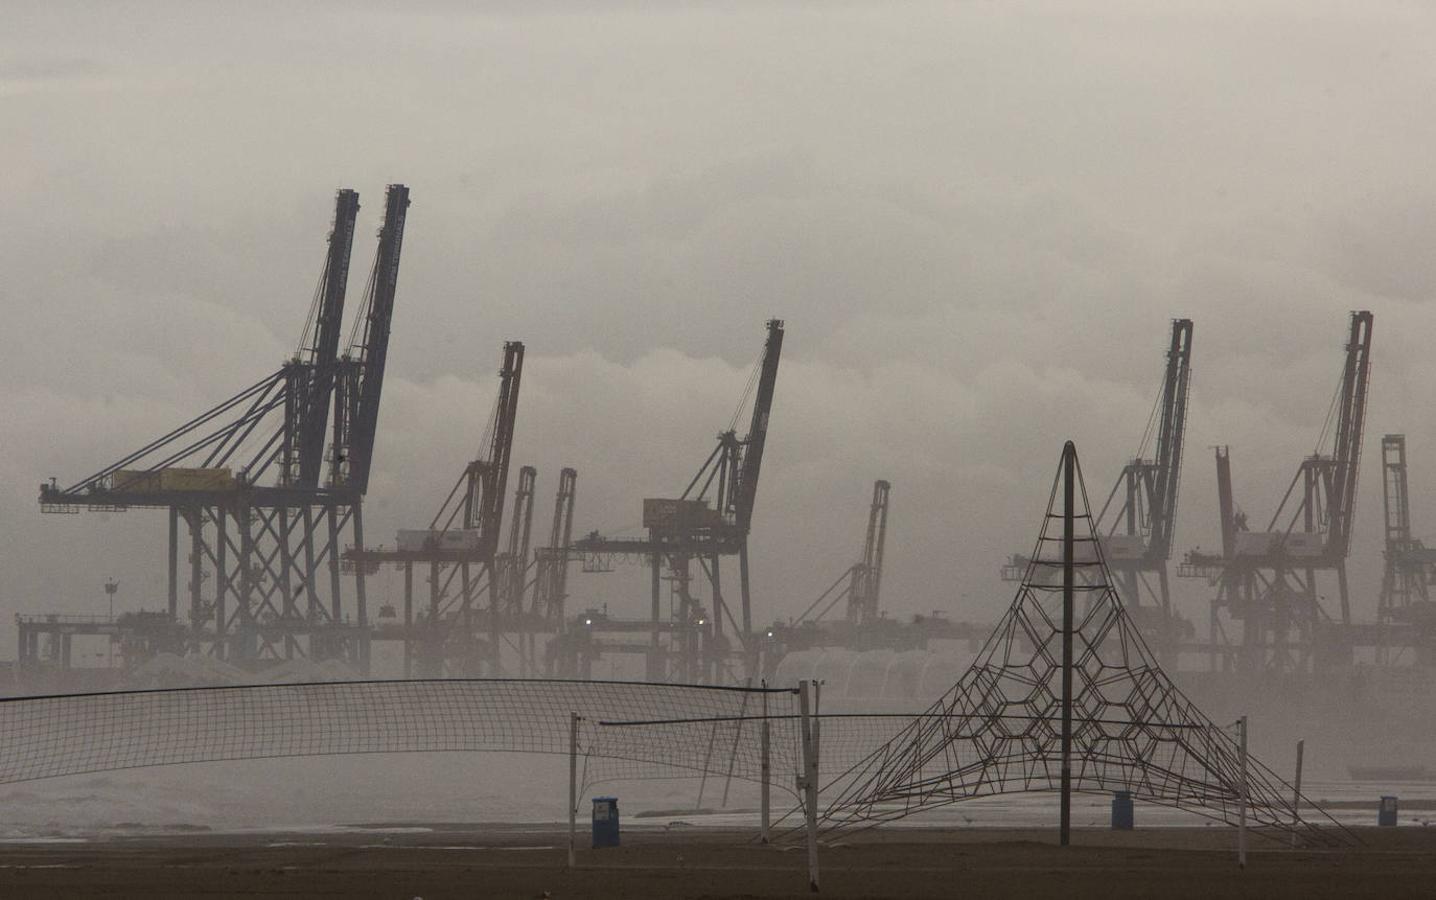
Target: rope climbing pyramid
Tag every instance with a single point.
(1109, 719)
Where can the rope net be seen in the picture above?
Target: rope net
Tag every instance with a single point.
(998, 730)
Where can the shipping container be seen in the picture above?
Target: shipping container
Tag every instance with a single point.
(1124, 546)
(454, 540)
(1256, 543)
(220, 479)
(140, 481)
(665, 515)
(1298, 544)
(135, 481)
(1305, 544)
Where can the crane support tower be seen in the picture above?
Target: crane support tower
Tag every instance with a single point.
(243, 479)
(1405, 608)
(1138, 519)
(709, 521)
(550, 586)
(512, 569)
(1268, 580)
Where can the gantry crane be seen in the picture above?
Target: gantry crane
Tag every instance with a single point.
(687, 530)
(1138, 519)
(866, 625)
(461, 543)
(244, 478)
(1267, 580)
(860, 585)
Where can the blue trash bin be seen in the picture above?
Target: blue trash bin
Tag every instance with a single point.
(605, 822)
(1386, 812)
(1123, 818)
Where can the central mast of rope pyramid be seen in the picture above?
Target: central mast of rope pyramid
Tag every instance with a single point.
(1069, 562)
(1066, 696)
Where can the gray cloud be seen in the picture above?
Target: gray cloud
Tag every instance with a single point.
(54, 68)
(977, 219)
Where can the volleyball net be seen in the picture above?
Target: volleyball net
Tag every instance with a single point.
(626, 730)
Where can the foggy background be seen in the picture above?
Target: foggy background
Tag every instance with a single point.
(977, 220)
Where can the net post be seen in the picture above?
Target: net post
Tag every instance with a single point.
(1242, 807)
(1296, 794)
(572, 787)
(810, 780)
(766, 768)
(1069, 459)
(817, 730)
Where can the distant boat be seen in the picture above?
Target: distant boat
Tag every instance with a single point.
(1388, 773)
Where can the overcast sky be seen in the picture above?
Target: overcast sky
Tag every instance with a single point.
(977, 219)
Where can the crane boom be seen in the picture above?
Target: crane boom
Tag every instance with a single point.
(321, 356)
(551, 575)
(561, 531)
(488, 477)
(865, 578)
(361, 379)
(1226, 504)
(1170, 437)
(747, 486)
(520, 529)
(877, 539)
(1351, 420)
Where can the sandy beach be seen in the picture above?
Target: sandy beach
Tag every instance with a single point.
(453, 861)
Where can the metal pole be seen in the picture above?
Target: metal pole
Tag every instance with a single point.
(431, 659)
(737, 733)
(707, 758)
(174, 566)
(408, 619)
(1069, 458)
(767, 771)
(572, 786)
(656, 667)
(817, 730)
(1296, 793)
(809, 782)
(222, 577)
(1242, 816)
(361, 598)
